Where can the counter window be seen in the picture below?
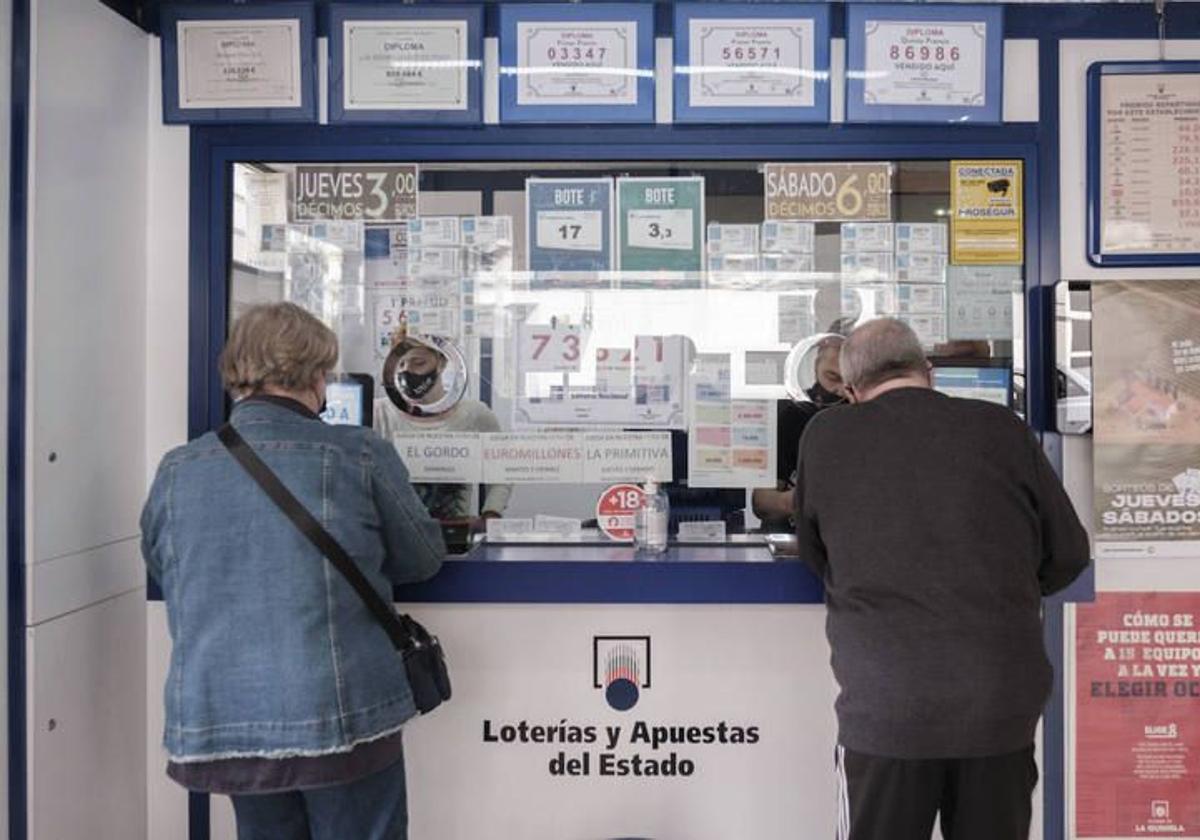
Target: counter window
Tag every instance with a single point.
(537, 333)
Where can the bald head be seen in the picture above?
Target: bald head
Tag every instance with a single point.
(882, 351)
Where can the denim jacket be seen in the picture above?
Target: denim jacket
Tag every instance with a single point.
(274, 655)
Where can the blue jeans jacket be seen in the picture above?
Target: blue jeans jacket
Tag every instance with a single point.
(274, 655)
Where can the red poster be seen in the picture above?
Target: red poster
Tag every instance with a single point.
(1137, 725)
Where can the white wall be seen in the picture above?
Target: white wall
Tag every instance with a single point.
(86, 423)
(167, 398)
(5, 128)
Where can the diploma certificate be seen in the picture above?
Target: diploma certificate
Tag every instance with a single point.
(757, 62)
(239, 64)
(925, 63)
(414, 65)
(585, 63)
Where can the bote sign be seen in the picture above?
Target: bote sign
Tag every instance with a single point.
(828, 192)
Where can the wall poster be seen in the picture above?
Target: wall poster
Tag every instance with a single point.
(1137, 716)
(1146, 350)
(1144, 163)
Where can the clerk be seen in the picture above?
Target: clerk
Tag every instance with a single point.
(426, 393)
(774, 505)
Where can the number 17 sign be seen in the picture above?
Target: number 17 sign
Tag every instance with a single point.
(569, 223)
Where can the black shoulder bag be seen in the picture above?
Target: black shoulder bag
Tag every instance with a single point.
(424, 661)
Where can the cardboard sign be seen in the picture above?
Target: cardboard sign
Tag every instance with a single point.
(372, 193)
(828, 192)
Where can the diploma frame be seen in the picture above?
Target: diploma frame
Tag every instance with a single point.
(302, 13)
(686, 112)
(514, 14)
(857, 18)
(1095, 149)
(470, 16)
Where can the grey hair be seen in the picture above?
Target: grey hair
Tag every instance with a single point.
(881, 350)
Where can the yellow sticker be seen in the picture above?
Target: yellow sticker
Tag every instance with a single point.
(987, 212)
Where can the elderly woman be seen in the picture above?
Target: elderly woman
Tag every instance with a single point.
(283, 691)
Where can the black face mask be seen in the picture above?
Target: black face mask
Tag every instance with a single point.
(822, 397)
(417, 385)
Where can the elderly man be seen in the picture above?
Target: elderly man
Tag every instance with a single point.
(937, 525)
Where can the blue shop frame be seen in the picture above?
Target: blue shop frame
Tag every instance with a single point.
(304, 13)
(513, 15)
(860, 16)
(341, 14)
(1095, 142)
(686, 111)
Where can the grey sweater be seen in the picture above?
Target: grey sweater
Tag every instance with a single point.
(937, 525)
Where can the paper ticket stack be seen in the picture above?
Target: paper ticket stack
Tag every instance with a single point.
(897, 270)
(921, 279)
(788, 262)
(733, 258)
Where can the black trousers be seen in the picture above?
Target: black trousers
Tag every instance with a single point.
(899, 799)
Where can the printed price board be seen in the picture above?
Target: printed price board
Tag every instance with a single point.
(1144, 163)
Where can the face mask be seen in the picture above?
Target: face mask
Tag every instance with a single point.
(822, 397)
(417, 385)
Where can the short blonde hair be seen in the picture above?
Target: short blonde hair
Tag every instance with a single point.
(276, 344)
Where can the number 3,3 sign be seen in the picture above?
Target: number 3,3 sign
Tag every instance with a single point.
(544, 348)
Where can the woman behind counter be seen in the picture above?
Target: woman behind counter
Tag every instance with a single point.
(420, 379)
(283, 691)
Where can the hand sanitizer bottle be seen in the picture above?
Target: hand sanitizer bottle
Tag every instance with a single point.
(650, 521)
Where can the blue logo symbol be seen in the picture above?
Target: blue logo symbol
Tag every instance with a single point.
(621, 667)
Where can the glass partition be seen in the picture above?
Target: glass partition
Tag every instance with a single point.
(538, 333)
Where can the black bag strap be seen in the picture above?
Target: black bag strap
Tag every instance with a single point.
(398, 630)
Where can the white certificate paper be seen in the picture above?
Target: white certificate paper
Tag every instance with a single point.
(751, 63)
(584, 63)
(417, 65)
(239, 64)
(1150, 163)
(925, 63)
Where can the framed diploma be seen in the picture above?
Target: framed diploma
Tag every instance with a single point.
(239, 63)
(1144, 163)
(590, 62)
(751, 62)
(918, 63)
(412, 64)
